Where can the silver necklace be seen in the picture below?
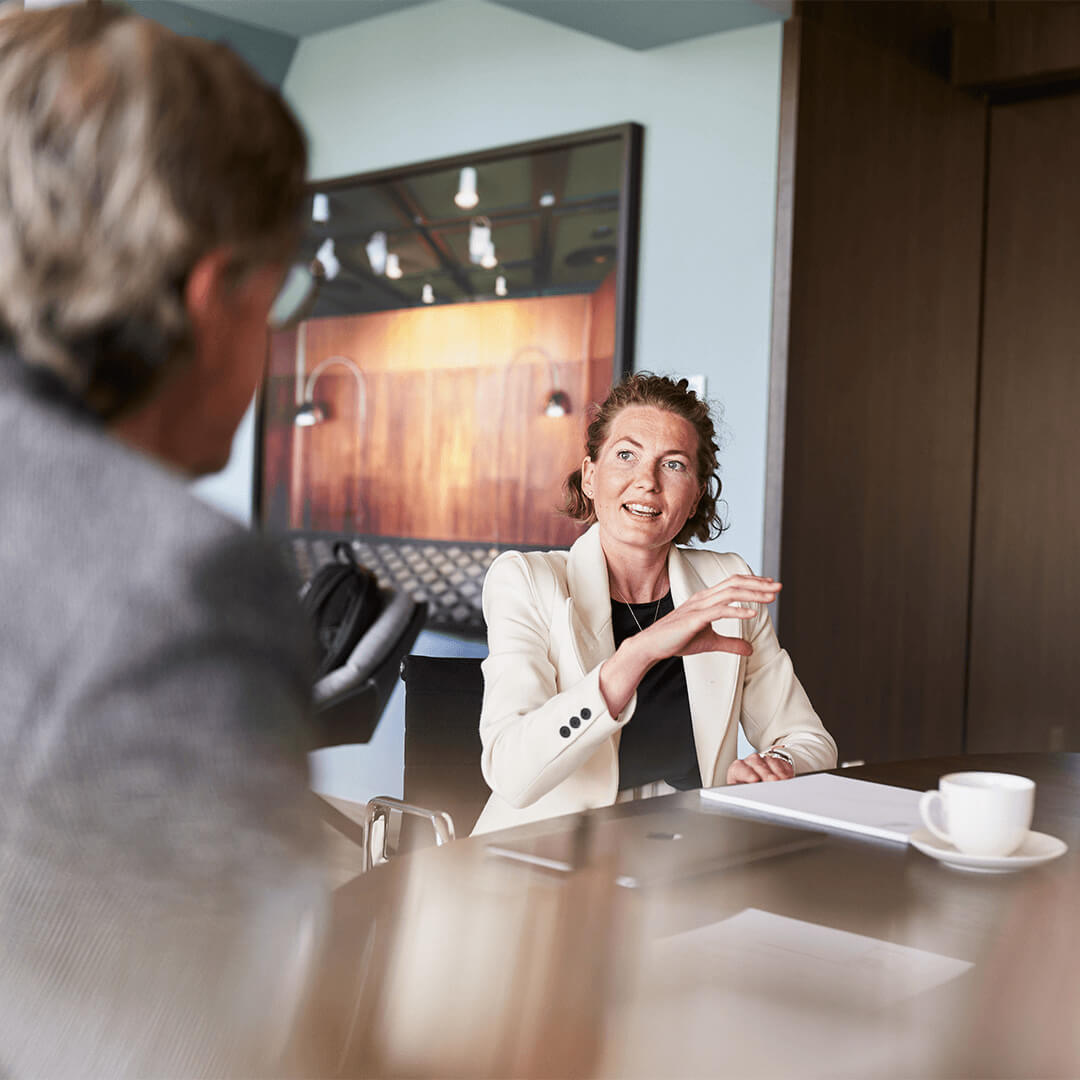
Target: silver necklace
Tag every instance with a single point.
(633, 615)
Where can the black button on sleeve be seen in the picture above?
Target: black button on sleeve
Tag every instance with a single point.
(575, 721)
(564, 731)
(585, 714)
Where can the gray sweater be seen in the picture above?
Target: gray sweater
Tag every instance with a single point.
(157, 852)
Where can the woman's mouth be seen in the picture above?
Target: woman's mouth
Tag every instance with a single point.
(640, 510)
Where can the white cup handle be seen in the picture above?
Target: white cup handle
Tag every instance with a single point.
(925, 804)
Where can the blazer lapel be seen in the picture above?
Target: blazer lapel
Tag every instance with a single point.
(589, 601)
(711, 678)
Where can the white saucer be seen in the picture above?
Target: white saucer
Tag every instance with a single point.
(1037, 848)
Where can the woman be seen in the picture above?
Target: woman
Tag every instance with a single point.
(622, 667)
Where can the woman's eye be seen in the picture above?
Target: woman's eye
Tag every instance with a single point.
(676, 466)
(623, 455)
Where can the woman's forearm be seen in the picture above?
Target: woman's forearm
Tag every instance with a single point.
(621, 673)
(529, 751)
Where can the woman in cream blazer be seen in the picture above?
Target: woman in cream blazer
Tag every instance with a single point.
(557, 691)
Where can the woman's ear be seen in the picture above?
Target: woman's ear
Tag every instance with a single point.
(588, 471)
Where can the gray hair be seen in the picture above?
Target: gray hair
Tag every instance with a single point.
(127, 153)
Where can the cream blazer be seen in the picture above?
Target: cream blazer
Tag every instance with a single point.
(551, 747)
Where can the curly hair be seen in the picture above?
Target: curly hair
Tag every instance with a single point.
(660, 392)
(127, 153)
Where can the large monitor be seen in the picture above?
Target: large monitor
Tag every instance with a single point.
(452, 323)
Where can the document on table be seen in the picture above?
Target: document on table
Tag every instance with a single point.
(836, 803)
(834, 968)
(771, 997)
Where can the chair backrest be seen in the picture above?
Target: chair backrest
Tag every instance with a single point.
(350, 699)
(442, 737)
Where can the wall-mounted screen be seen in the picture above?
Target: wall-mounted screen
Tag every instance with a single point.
(450, 325)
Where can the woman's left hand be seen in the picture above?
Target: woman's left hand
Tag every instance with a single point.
(752, 769)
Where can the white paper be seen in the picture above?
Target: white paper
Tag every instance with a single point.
(768, 997)
(838, 803)
(832, 968)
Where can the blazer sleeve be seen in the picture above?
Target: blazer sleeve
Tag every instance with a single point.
(775, 708)
(535, 732)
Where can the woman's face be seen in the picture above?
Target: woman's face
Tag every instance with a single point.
(644, 483)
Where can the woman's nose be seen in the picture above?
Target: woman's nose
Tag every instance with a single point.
(648, 476)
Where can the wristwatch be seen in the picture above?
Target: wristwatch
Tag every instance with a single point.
(778, 752)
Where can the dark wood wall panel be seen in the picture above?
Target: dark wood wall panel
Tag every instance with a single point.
(919, 30)
(886, 231)
(1027, 42)
(1025, 678)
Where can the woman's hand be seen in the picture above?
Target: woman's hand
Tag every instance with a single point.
(688, 629)
(684, 632)
(756, 767)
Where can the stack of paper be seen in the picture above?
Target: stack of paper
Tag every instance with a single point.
(836, 803)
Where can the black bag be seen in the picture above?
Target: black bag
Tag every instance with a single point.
(343, 600)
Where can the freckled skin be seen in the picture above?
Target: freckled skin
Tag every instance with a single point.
(648, 460)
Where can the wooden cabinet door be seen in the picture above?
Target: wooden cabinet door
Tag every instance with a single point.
(1024, 671)
(886, 233)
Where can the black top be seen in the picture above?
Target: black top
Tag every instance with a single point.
(658, 742)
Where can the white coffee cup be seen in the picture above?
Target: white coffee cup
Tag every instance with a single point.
(985, 813)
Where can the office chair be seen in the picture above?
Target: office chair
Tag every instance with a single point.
(350, 699)
(444, 787)
(442, 737)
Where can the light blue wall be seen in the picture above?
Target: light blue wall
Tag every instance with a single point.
(230, 489)
(459, 75)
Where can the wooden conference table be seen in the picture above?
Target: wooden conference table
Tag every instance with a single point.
(846, 957)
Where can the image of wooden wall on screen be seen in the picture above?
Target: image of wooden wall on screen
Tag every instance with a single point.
(438, 345)
(434, 422)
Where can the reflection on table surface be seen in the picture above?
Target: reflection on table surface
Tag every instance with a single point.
(837, 956)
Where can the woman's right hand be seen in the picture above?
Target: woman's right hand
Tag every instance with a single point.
(684, 632)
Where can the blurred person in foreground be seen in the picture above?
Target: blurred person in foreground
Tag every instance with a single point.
(160, 888)
(621, 668)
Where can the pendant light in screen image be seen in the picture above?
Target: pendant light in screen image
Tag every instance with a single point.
(376, 249)
(467, 196)
(481, 244)
(383, 261)
(295, 300)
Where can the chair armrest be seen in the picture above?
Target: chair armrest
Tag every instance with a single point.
(376, 822)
